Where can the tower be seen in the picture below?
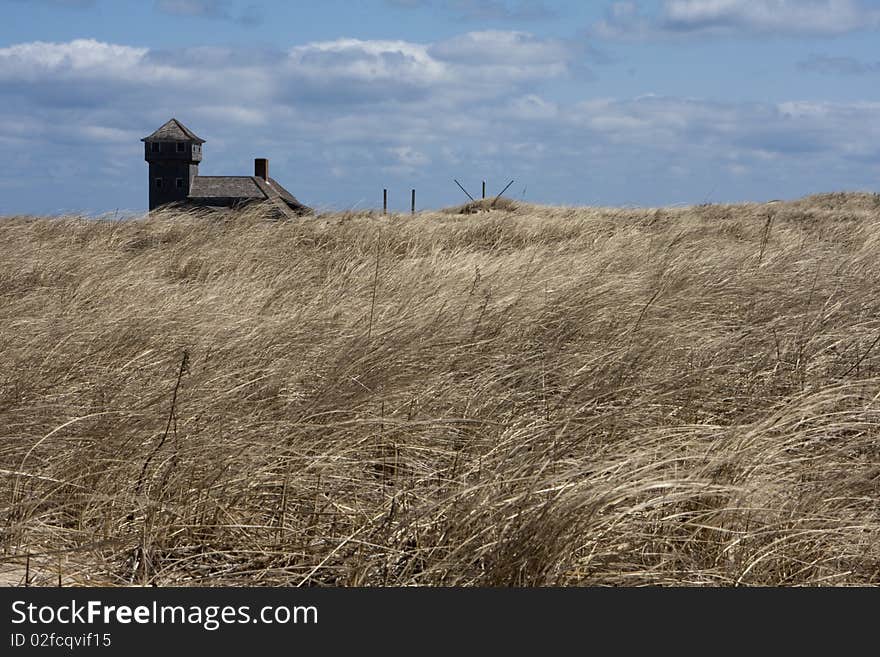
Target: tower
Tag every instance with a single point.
(174, 153)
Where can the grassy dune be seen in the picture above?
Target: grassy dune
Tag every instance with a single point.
(531, 396)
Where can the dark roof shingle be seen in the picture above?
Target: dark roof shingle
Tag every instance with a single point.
(222, 190)
(273, 189)
(174, 130)
(242, 187)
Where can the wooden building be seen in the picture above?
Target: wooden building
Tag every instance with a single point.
(174, 153)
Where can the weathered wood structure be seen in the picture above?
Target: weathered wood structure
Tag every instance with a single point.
(174, 153)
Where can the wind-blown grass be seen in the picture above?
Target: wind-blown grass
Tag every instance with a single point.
(528, 396)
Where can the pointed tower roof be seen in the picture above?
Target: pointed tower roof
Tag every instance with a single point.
(174, 130)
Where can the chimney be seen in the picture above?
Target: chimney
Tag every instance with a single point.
(261, 168)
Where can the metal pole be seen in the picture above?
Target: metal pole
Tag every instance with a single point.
(413, 201)
(384, 201)
(463, 189)
(502, 192)
(484, 189)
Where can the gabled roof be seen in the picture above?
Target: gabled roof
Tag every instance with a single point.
(281, 198)
(243, 187)
(273, 189)
(220, 189)
(174, 130)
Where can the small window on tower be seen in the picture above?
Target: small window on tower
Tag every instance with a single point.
(180, 146)
(158, 183)
(180, 183)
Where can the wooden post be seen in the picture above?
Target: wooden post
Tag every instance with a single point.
(413, 201)
(506, 187)
(466, 192)
(484, 189)
(384, 201)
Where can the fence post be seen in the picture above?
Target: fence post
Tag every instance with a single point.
(413, 201)
(384, 201)
(484, 189)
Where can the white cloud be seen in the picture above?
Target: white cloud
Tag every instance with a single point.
(366, 61)
(532, 107)
(410, 157)
(515, 55)
(704, 129)
(473, 64)
(79, 57)
(109, 135)
(743, 17)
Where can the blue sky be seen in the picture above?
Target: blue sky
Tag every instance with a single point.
(613, 102)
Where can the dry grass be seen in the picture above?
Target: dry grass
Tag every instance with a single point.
(531, 396)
